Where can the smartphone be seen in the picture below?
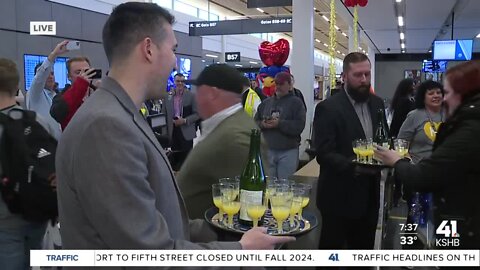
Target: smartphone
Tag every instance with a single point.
(73, 45)
(97, 74)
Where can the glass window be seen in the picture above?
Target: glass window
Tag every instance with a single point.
(185, 8)
(164, 3)
(213, 17)
(203, 14)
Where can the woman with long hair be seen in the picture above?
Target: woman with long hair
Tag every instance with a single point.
(402, 104)
(452, 172)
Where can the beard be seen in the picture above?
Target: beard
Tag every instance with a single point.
(360, 93)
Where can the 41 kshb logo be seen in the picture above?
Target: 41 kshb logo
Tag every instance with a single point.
(447, 235)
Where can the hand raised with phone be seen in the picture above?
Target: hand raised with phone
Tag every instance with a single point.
(60, 49)
(87, 74)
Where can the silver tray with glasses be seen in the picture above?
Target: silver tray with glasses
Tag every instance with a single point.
(300, 227)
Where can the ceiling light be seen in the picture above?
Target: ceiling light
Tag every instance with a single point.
(403, 51)
(336, 27)
(398, 1)
(402, 45)
(261, 10)
(339, 52)
(478, 36)
(344, 34)
(218, 62)
(366, 54)
(343, 54)
(429, 51)
(203, 61)
(237, 65)
(315, 8)
(400, 20)
(325, 18)
(211, 55)
(360, 48)
(253, 62)
(325, 44)
(402, 36)
(317, 40)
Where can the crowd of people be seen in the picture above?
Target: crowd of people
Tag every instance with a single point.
(118, 188)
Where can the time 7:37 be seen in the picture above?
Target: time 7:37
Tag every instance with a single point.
(408, 227)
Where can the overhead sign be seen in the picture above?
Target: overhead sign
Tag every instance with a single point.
(232, 57)
(268, 3)
(237, 27)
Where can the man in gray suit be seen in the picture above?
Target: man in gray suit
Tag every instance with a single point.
(116, 189)
(185, 117)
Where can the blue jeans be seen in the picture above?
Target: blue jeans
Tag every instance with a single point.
(283, 163)
(16, 243)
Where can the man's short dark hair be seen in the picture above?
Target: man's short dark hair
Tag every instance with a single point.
(178, 75)
(422, 89)
(9, 76)
(130, 23)
(354, 57)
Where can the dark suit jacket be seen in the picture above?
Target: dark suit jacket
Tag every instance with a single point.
(189, 112)
(341, 191)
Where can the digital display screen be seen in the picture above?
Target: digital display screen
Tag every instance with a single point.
(460, 50)
(434, 66)
(59, 69)
(184, 66)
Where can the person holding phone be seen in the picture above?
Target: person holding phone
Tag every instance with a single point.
(84, 80)
(42, 90)
(116, 189)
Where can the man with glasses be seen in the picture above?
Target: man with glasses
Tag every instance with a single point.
(185, 117)
(282, 120)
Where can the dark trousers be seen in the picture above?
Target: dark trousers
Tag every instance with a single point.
(345, 233)
(180, 148)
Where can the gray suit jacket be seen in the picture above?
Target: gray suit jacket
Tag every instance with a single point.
(116, 189)
(189, 105)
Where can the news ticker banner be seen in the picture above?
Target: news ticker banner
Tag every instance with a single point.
(227, 258)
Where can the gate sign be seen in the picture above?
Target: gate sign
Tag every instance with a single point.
(238, 27)
(232, 57)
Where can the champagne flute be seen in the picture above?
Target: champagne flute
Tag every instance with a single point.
(401, 147)
(356, 144)
(234, 182)
(281, 203)
(270, 188)
(369, 150)
(217, 190)
(255, 209)
(297, 202)
(230, 204)
(305, 198)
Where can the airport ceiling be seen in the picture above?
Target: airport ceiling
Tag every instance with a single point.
(424, 21)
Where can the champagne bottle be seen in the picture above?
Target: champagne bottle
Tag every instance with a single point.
(252, 179)
(381, 134)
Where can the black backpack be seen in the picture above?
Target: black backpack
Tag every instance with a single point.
(27, 156)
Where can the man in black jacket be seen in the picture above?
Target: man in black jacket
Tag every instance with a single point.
(348, 196)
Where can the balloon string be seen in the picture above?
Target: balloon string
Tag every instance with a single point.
(333, 41)
(355, 29)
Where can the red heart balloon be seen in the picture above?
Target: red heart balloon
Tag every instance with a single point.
(362, 3)
(350, 3)
(274, 53)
